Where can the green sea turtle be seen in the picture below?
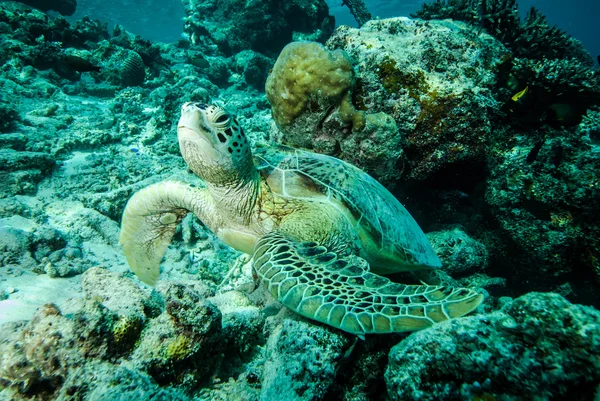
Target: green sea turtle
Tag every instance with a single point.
(319, 229)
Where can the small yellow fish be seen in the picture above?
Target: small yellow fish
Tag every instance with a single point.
(519, 95)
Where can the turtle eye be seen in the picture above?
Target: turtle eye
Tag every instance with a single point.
(222, 118)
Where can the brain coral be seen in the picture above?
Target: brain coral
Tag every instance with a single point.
(133, 72)
(307, 76)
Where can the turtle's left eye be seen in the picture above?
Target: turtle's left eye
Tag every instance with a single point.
(222, 118)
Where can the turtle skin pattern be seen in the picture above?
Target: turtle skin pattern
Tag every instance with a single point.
(375, 209)
(341, 292)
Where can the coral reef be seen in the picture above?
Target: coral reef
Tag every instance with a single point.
(460, 127)
(437, 88)
(265, 26)
(310, 90)
(359, 11)
(65, 7)
(537, 346)
(507, 189)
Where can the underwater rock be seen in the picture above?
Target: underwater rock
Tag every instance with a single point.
(460, 254)
(128, 303)
(543, 190)
(531, 37)
(552, 68)
(38, 356)
(114, 382)
(435, 79)
(242, 321)
(302, 360)
(359, 11)
(8, 115)
(59, 356)
(99, 284)
(264, 26)
(558, 92)
(32, 27)
(182, 344)
(11, 161)
(537, 346)
(15, 254)
(310, 91)
(28, 247)
(254, 67)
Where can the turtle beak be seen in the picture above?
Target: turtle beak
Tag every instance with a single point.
(191, 116)
(194, 132)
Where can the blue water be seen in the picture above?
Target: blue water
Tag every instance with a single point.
(161, 20)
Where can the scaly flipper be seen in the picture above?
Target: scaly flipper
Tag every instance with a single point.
(341, 292)
(150, 219)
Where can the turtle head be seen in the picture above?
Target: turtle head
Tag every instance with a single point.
(213, 144)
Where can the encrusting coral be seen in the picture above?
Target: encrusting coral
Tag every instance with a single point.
(311, 93)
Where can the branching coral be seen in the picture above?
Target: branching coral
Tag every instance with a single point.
(554, 68)
(532, 38)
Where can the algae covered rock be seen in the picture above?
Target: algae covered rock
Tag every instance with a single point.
(538, 346)
(543, 190)
(310, 91)
(437, 87)
(180, 345)
(301, 361)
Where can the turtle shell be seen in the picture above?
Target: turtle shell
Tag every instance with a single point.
(375, 209)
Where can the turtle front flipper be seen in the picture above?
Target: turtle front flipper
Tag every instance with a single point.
(149, 222)
(341, 292)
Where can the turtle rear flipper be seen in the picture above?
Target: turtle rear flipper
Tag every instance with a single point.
(149, 222)
(341, 292)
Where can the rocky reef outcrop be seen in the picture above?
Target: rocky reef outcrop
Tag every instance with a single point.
(263, 26)
(442, 110)
(536, 346)
(182, 339)
(437, 110)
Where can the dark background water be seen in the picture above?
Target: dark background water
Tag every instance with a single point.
(161, 20)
